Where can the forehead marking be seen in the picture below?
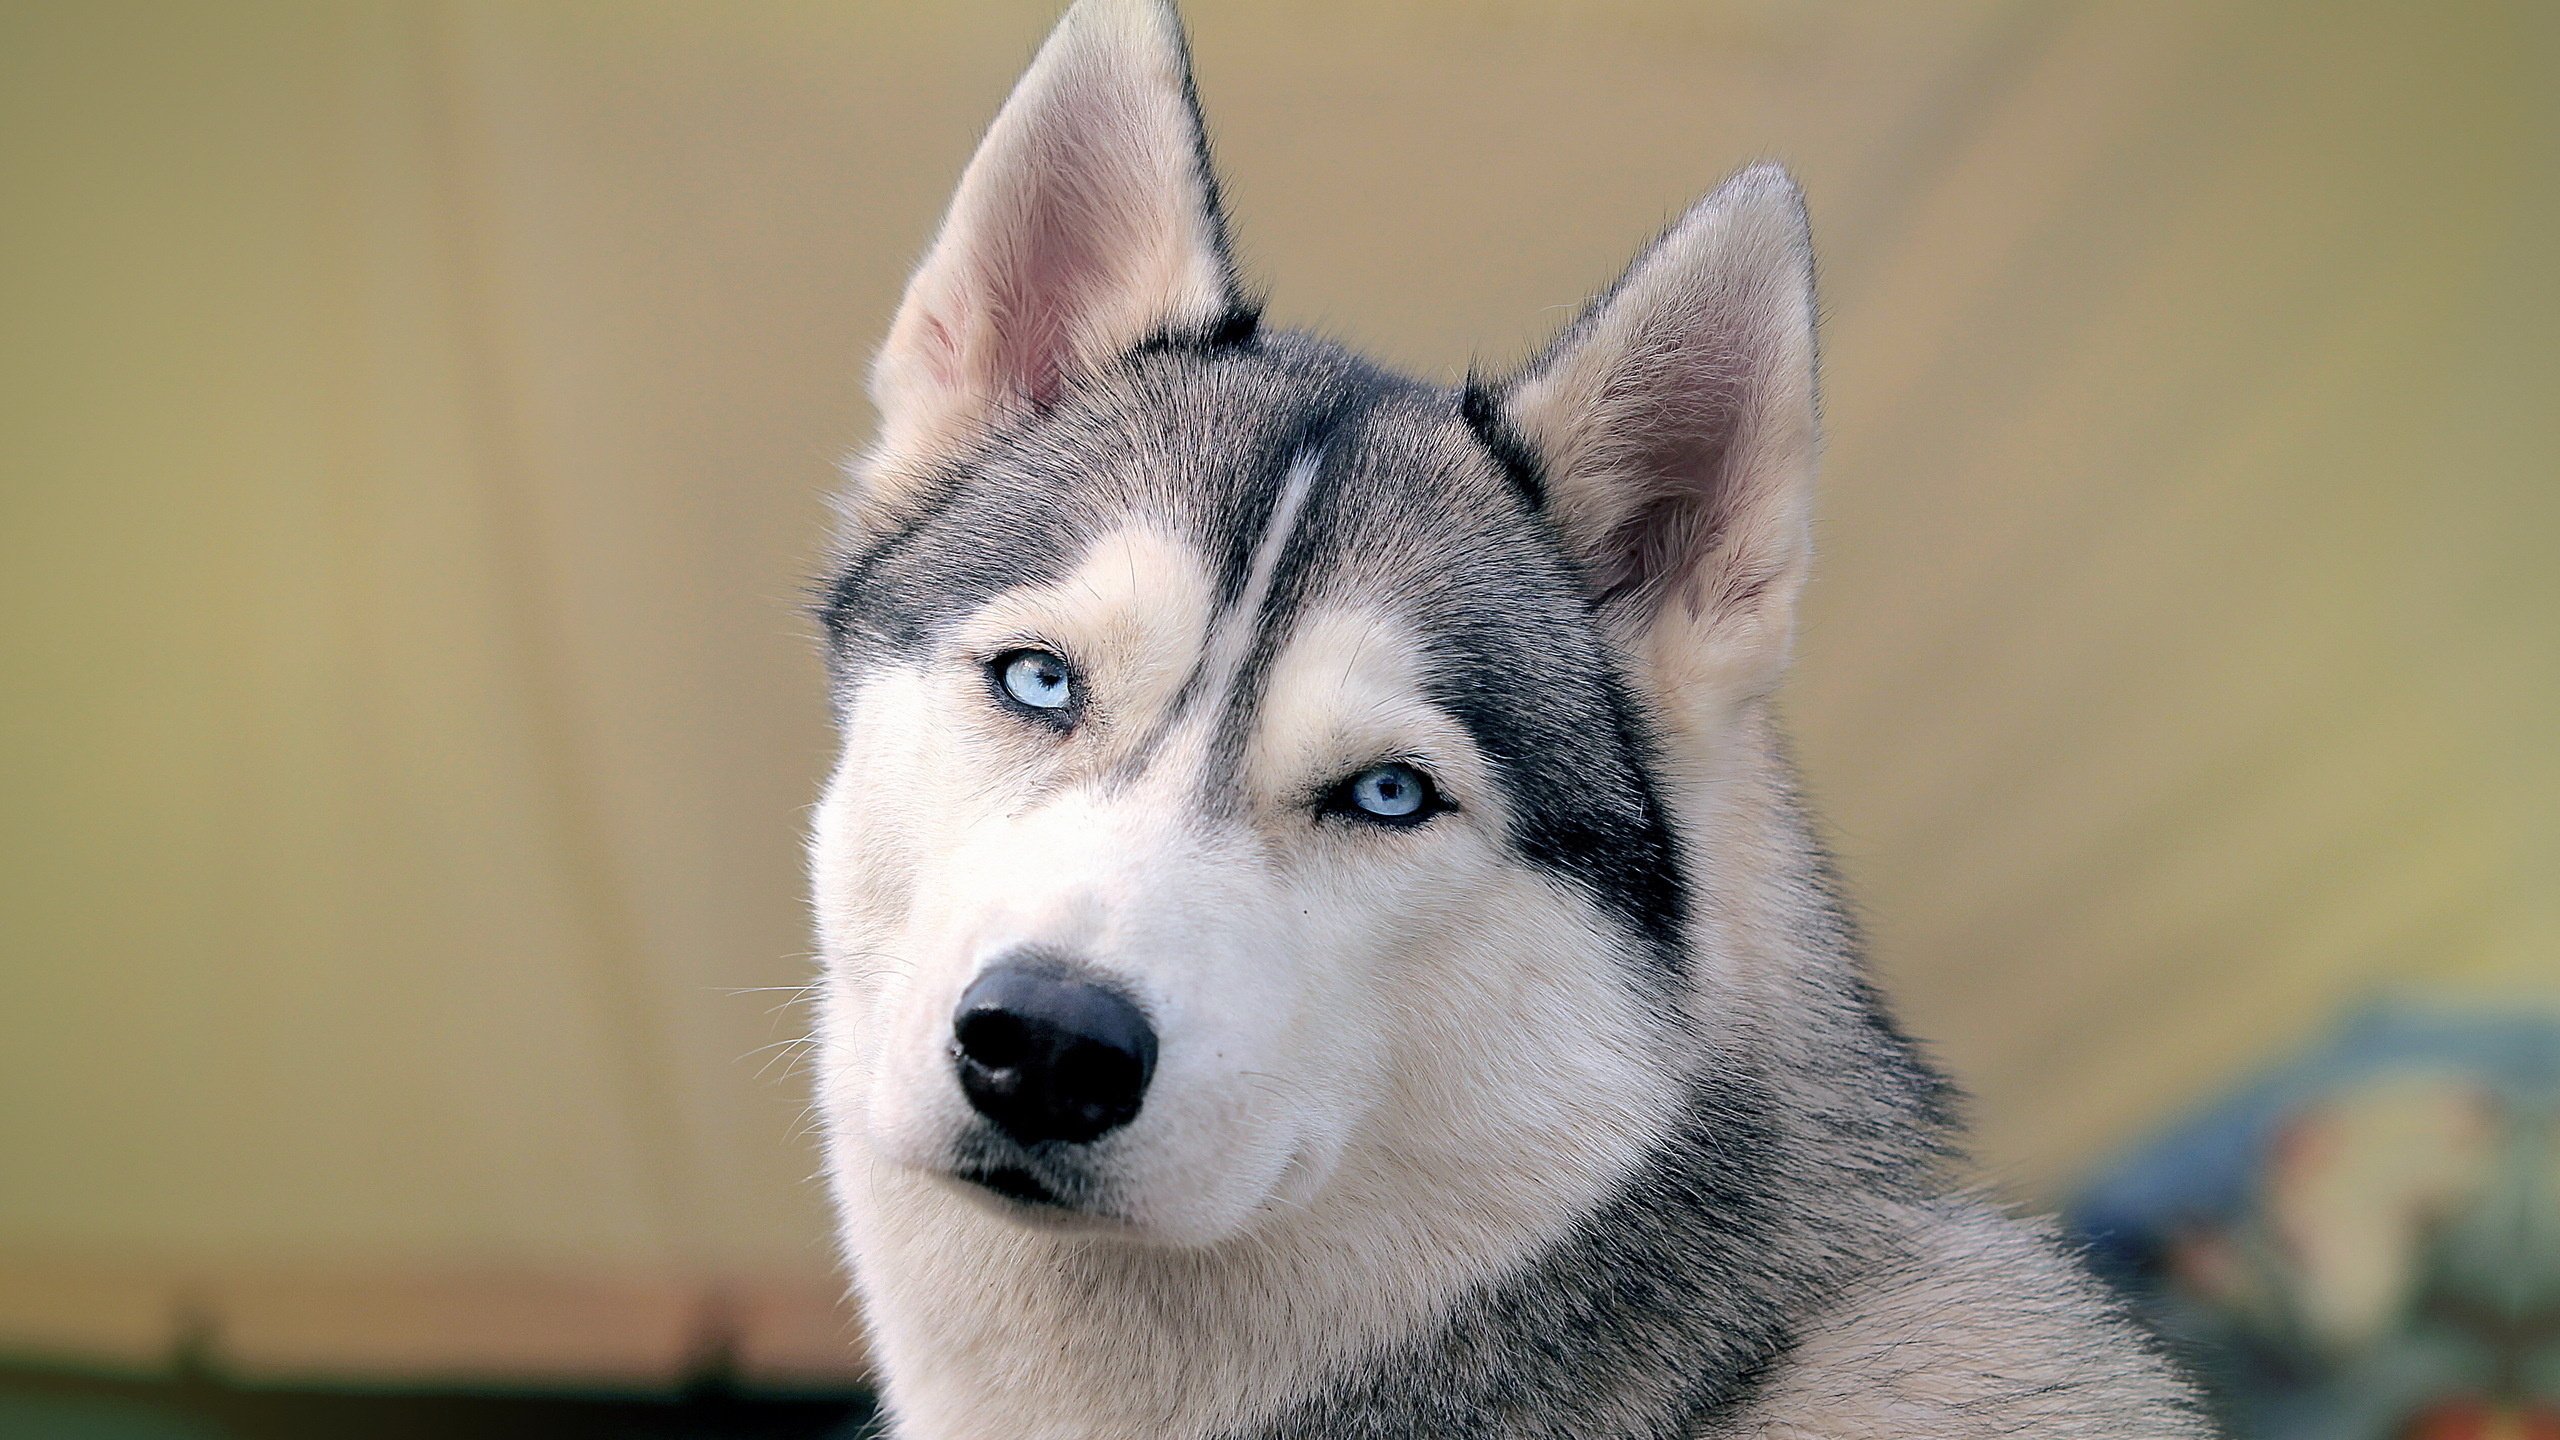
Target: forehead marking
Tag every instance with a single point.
(1223, 659)
(1229, 644)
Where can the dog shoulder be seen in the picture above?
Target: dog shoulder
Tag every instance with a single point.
(1986, 1326)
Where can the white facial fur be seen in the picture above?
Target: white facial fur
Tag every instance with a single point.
(1356, 1022)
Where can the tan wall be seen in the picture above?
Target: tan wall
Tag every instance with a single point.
(413, 423)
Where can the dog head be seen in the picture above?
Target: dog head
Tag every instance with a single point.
(1253, 761)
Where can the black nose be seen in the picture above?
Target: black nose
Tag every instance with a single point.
(1047, 1054)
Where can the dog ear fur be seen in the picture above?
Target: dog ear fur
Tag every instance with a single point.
(1087, 222)
(1674, 426)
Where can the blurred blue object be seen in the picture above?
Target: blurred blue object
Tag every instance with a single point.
(2361, 1242)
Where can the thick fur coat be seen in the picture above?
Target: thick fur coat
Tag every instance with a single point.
(1557, 1104)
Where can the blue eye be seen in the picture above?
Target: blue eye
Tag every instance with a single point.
(1389, 794)
(1036, 680)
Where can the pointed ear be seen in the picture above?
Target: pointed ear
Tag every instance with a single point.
(1087, 221)
(1674, 426)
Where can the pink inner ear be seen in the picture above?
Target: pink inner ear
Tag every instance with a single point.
(1082, 221)
(1678, 427)
(1053, 278)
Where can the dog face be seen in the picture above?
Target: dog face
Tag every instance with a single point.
(1253, 770)
(1176, 694)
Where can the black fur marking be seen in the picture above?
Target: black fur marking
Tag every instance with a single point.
(1583, 803)
(1232, 328)
(1236, 327)
(1482, 410)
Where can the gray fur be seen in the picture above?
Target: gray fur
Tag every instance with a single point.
(1792, 1255)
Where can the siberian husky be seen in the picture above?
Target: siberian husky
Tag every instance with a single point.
(1319, 937)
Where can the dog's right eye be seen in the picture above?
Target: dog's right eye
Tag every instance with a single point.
(1390, 794)
(1037, 683)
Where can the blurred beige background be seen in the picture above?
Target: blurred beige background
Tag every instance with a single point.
(414, 422)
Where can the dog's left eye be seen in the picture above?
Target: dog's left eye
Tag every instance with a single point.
(1037, 682)
(1389, 794)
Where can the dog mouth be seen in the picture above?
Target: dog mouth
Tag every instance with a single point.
(1017, 1184)
(1044, 1190)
